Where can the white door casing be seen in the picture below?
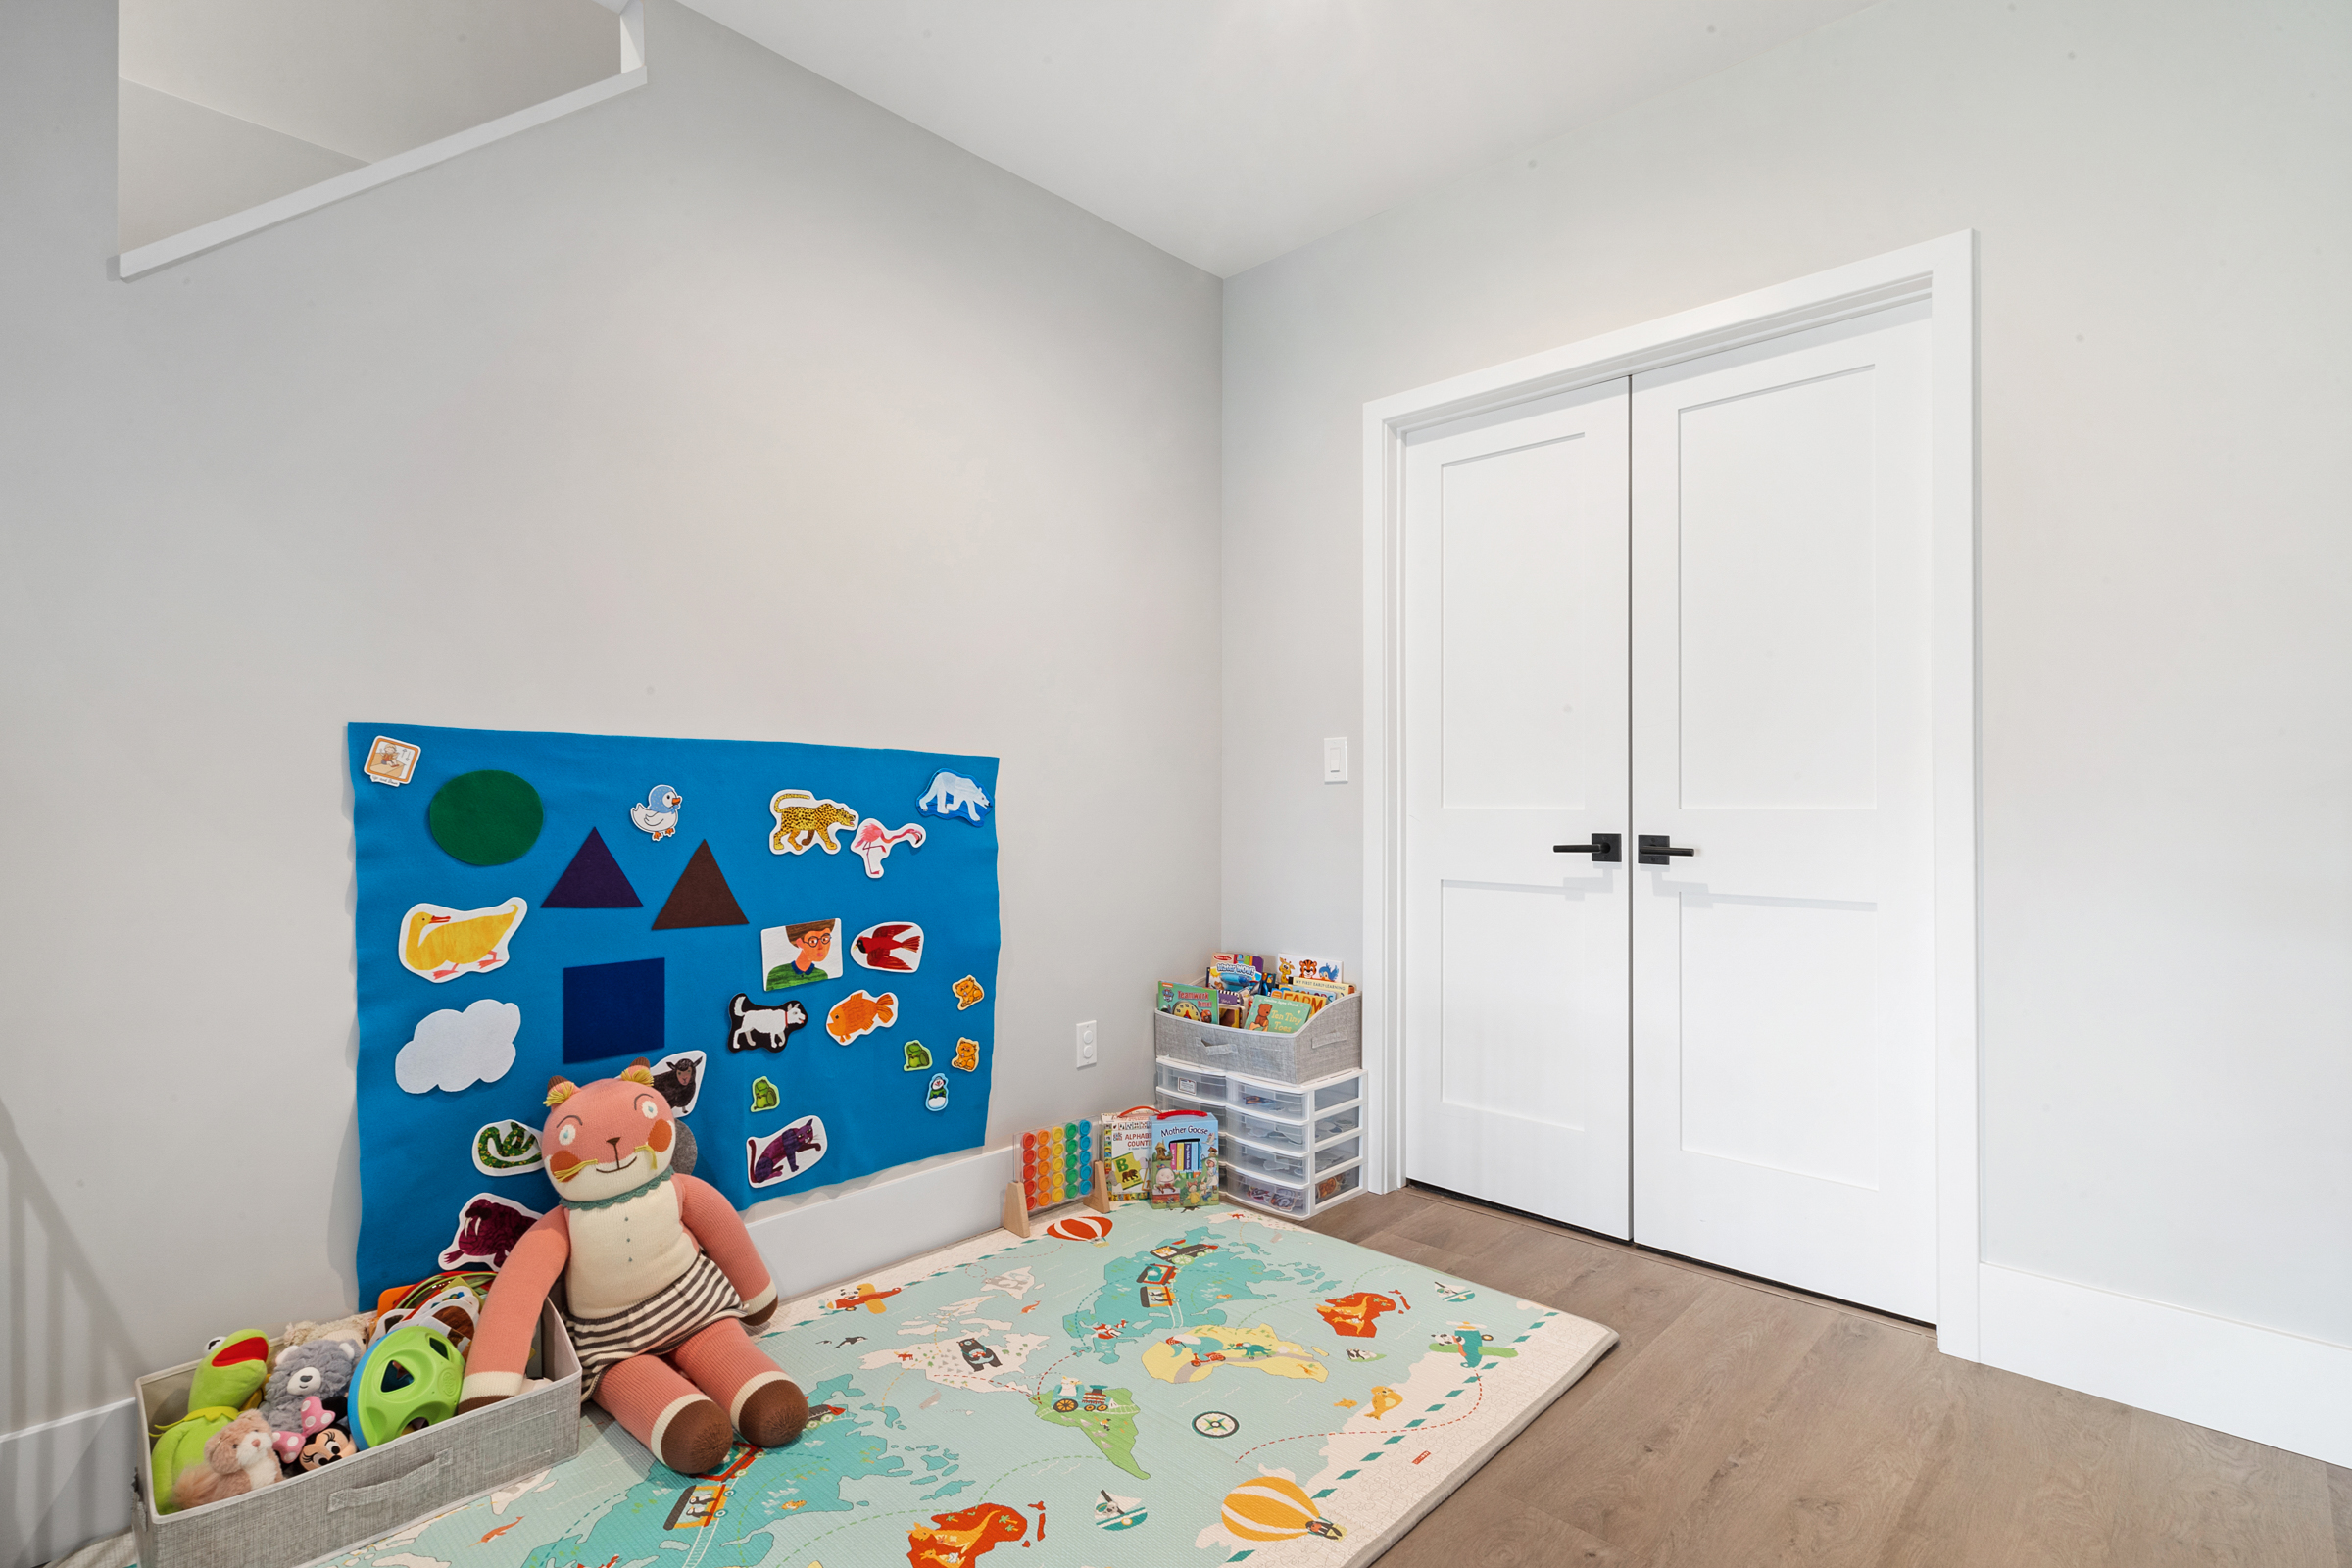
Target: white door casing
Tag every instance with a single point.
(1515, 742)
(1784, 980)
(1938, 273)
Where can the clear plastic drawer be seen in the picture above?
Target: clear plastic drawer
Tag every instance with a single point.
(1193, 1081)
(1340, 1093)
(1338, 1122)
(1338, 1153)
(1288, 1103)
(1264, 1191)
(1289, 1135)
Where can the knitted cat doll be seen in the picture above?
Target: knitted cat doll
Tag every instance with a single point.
(661, 1278)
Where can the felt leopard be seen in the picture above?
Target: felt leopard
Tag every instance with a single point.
(802, 820)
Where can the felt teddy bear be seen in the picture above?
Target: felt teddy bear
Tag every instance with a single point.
(237, 1459)
(661, 1281)
(305, 1392)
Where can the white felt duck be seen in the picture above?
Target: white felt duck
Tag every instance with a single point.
(658, 816)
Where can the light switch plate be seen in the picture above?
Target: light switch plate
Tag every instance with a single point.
(1086, 1043)
(1334, 759)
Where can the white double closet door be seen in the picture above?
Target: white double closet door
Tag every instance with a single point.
(1690, 608)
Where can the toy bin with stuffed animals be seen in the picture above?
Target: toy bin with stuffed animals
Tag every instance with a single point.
(324, 1511)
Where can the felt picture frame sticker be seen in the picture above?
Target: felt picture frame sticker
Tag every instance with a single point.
(390, 761)
(799, 953)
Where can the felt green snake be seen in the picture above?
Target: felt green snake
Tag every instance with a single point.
(506, 1145)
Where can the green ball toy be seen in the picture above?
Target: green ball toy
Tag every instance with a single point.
(409, 1379)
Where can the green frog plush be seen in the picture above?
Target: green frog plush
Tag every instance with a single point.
(228, 1379)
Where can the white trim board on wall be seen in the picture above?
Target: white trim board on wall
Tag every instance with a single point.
(67, 1482)
(1940, 273)
(236, 226)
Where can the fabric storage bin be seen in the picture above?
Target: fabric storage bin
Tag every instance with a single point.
(1338, 1153)
(1269, 1162)
(1343, 1092)
(1258, 1130)
(1333, 1041)
(371, 1492)
(1266, 1192)
(1260, 1101)
(1344, 1122)
(1186, 1081)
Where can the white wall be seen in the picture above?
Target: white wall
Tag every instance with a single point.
(2164, 198)
(182, 164)
(733, 406)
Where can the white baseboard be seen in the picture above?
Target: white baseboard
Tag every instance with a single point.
(67, 1482)
(842, 1232)
(2276, 1388)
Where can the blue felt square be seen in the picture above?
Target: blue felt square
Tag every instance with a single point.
(613, 1010)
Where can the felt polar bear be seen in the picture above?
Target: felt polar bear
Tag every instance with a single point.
(661, 1279)
(952, 795)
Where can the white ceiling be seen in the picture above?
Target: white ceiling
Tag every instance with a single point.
(367, 78)
(1229, 131)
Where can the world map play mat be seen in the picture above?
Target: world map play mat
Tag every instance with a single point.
(1146, 1387)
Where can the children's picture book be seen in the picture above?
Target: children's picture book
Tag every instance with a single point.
(1290, 967)
(1315, 1001)
(1187, 1000)
(1124, 1140)
(1283, 1015)
(1197, 1003)
(1228, 976)
(1184, 1160)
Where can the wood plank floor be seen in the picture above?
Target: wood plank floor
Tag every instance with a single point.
(1738, 1424)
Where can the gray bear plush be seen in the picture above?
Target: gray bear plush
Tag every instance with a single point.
(307, 1380)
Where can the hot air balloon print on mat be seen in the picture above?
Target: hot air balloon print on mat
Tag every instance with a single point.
(1273, 1507)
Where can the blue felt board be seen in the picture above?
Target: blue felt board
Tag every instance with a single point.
(417, 1168)
(614, 1011)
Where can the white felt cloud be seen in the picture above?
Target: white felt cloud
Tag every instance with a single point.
(454, 1050)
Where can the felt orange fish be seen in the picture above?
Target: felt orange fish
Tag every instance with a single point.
(499, 1531)
(861, 1014)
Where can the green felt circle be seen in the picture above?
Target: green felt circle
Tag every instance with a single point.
(486, 817)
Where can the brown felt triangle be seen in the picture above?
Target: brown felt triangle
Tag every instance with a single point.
(702, 895)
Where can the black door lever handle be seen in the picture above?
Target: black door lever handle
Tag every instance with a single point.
(1652, 849)
(1606, 849)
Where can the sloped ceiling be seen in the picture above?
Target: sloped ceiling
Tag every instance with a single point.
(1229, 131)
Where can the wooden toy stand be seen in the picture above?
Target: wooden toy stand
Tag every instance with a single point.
(1016, 1200)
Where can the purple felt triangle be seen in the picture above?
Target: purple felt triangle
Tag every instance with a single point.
(593, 880)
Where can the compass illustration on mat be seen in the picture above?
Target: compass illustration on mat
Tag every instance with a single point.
(1215, 1424)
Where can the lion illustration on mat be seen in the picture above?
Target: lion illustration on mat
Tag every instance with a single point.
(802, 820)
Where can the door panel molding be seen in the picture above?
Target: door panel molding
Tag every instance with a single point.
(1940, 274)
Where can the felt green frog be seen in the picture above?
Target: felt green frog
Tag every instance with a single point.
(228, 1378)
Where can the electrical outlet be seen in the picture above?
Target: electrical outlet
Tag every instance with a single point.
(1334, 759)
(1086, 1043)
